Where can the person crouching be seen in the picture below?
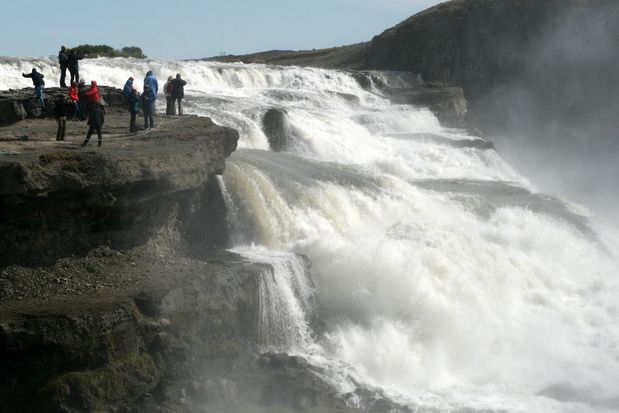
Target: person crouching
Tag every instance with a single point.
(96, 117)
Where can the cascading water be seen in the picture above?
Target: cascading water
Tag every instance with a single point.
(442, 277)
(286, 297)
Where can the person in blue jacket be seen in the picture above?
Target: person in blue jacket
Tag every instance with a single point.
(151, 81)
(128, 88)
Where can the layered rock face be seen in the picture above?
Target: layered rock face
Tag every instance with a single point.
(63, 202)
(107, 299)
(523, 64)
(478, 44)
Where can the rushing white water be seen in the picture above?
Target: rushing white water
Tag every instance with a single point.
(442, 277)
(286, 296)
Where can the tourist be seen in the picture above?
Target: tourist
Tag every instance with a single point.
(61, 110)
(147, 108)
(96, 118)
(151, 81)
(167, 88)
(81, 104)
(73, 59)
(92, 96)
(134, 108)
(63, 60)
(127, 89)
(39, 85)
(178, 92)
(74, 99)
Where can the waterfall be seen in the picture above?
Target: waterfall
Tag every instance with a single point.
(286, 300)
(442, 276)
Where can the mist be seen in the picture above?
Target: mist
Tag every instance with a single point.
(557, 122)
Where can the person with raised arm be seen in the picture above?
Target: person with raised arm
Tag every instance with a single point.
(39, 85)
(73, 59)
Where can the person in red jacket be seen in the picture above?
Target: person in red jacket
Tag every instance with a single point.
(74, 98)
(92, 96)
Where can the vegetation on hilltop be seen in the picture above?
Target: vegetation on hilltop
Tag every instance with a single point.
(108, 51)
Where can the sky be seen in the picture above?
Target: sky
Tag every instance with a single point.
(197, 28)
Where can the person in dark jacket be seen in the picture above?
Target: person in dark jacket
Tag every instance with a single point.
(178, 91)
(62, 108)
(151, 81)
(127, 89)
(95, 121)
(81, 104)
(63, 60)
(134, 109)
(147, 108)
(73, 59)
(39, 85)
(167, 89)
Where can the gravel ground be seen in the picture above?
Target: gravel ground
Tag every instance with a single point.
(103, 272)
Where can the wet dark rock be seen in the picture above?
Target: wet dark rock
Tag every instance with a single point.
(447, 103)
(147, 304)
(367, 80)
(11, 111)
(276, 127)
(102, 352)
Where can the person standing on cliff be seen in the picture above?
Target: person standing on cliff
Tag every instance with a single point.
(134, 109)
(81, 94)
(63, 60)
(74, 98)
(96, 118)
(167, 89)
(127, 89)
(178, 92)
(92, 96)
(61, 109)
(151, 81)
(147, 108)
(39, 85)
(73, 59)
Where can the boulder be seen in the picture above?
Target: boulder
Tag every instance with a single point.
(276, 127)
(11, 111)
